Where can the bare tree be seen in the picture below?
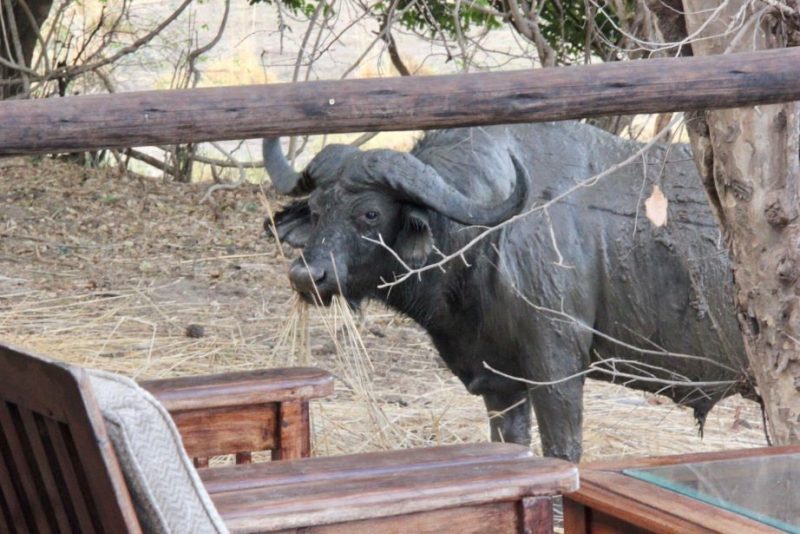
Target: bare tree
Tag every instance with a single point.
(20, 25)
(749, 160)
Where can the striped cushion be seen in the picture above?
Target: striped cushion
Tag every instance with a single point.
(167, 492)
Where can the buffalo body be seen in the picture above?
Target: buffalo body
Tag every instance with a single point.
(584, 282)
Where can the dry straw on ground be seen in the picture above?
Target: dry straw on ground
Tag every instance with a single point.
(108, 271)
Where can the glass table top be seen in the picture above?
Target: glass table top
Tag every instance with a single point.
(764, 488)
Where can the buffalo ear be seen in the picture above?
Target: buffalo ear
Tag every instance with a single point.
(292, 224)
(414, 242)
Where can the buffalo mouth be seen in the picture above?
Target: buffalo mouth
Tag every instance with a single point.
(317, 298)
(312, 282)
(316, 286)
(325, 299)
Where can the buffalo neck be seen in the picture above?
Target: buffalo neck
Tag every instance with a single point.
(417, 297)
(430, 298)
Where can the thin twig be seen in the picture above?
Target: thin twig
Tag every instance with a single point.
(588, 182)
(234, 185)
(14, 29)
(133, 47)
(596, 367)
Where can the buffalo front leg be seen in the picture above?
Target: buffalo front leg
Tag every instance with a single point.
(509, 416)
(559, 416)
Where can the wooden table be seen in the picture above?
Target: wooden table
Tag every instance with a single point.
(247, 411)
(611, 501)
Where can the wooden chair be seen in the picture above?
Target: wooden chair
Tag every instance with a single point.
(59, 471)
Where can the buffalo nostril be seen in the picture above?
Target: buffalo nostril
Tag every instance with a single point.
(317, 273)
(305, 278)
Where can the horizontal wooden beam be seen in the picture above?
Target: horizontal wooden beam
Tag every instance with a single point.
(409, 103)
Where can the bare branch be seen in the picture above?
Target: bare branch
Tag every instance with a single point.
(55, 19)
(299, 62)
(386, 33)
(597, 367)
(588, 182)
(37, 30)
(480, 8)
(231, 164)
(133, 47)
(14, 30)
(528, 26)
(22, 69)
(100, 22)
(363, 138)
(152, 161)
(783, 7)
(695, 36)
(234, 185)
(567, 318)
(460, 33)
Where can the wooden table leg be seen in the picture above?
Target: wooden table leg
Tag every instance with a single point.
(574, 517)
(536, 515)
(293, 427)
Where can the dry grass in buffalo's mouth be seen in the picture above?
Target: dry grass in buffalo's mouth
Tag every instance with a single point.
(354, 368)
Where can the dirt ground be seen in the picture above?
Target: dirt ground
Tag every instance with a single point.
(109, 271)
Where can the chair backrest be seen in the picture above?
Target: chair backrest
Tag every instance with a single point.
(58, 470)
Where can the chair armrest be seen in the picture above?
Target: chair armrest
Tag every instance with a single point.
(243, 412)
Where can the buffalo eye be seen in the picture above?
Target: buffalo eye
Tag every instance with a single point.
(369, 217)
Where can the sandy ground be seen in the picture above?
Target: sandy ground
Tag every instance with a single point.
(108, 270)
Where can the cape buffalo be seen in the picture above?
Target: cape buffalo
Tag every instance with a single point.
(584, 282)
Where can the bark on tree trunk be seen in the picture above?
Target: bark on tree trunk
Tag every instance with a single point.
(749, 159)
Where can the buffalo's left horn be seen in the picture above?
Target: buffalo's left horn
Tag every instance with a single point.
(405, 174)
(285, 179)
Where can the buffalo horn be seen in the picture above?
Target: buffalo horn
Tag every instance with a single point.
(405, 174)
(326, 165)
(285, 179)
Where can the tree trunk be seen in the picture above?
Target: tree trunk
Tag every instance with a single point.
(28, 17)
(749, 159)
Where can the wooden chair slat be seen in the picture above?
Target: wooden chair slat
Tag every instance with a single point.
(58, 433)
(5, 525)
(25, 476)
(43, 462)
(9, 495)
(108, 499)
(63, 393)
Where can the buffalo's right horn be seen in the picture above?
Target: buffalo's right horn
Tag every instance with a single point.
(285, 179)
(324, 166)
(406, 175)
